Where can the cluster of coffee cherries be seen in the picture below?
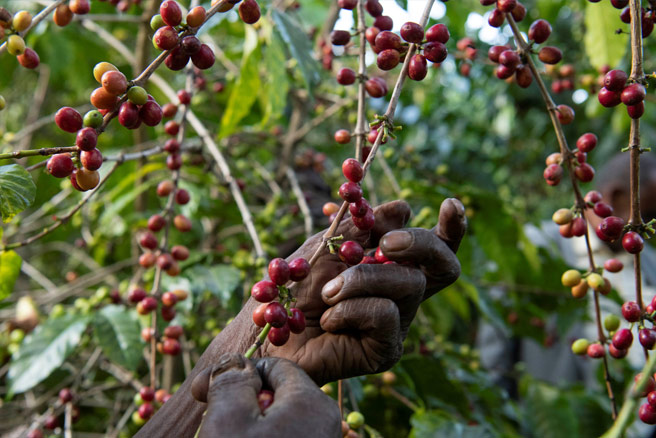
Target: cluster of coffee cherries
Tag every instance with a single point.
(361, 212)
(65, 12)
(616, 91)
(648, 17)
(122, 5)
(498, 15)
(583, 171)
(466, 51)
(580, 283)
(147, 400)
(172, 145)
(51, 421)
(279, 315)
(13, 25)
(563, 77)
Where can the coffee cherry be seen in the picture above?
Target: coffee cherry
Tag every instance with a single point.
(622, 339)
(612, 227)
(147, 260)
(63, 15)
(388, 59)
(509, 58)
(172, 128)
(519, 12)
(101, 68)
(417, 68)
(264, 291)
(647, 413)
(296, 321)
(351, 252)
(128, 115)
(190, 45)
(651, 398)
(633, 242)
(51, 422)
(579, 226)
(647, 338)
(147, 393)
(136, 295)
(15, 45)
(352, 170)
(279, 335)
(172, 146)
(147, 305)
(376, 87)
(178, 59)
(571, 278)
(330, 208)
(196, 16)
(565, 114)
(171, 347)
(383, 22)
(554, 158)
(350, 192)
(379, 256)
(435, 51)
(580, 346)
(616, 353)
(504, 72)
(60, 165)
(523, 76)
(165, 38)
(342, 136)
(340, 37)
(387, 40)
(609, 98)
(204, 58)
(496, 18)
(278, 271)
(182, 223)
(80, 7)
(580, 290)
(150, 113)
(86, 139)
(264, 399)
(101, 99)
(553, 173)
(539, 31)
(615, 80)
(586, 142)
(35, 433)
(365, 222)
(359, 208)
(68, 119)
(438, 33)
(563, 216)
(496, 51)
(114, 82)
(506, 5)
(346, 76)
(174, 161)
(169, 299)
(593, 197)
(611, 322)
(137, 95)
(91, 160)
(148, 240)
(275, 314)
(633, 94)
(596, 351)
(347, 4)
(165, 188)
(413, 32)
(65, 395)
(602, 209)
(169, 110)
(613, 265)
(636, 111)
(550, 55)
(180, 252)
(584, 172)
(182, 197)
(170, 12)
(258, 315)
(29, 59)
(299, 269)
(355, 420)
(631, 311)
(249, 11)
(374, 8)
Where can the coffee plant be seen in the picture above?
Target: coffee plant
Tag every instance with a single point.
(160, 161)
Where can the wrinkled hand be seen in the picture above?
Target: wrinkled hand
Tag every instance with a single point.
(358, 317)
(230, 388)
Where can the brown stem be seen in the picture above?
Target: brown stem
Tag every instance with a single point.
(360, 126)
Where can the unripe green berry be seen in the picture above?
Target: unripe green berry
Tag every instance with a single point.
(355, 420)
(580, 346)
(136, 418)
(17, 336)
(57, 311)
(571, 278)
(611, 323)
(137, 399)
(93, 119)
(137, 95)
(156, 22)
(15, 45)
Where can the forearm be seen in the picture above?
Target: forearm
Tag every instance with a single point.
(181, 415)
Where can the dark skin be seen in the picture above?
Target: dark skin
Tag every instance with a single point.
(356, 324)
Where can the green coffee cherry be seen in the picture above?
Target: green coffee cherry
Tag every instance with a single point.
(611, 323)
(156, 22)
(93, 119)
(355, 420)
(137, 95)
(580, 346)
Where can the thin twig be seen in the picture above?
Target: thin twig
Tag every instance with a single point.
(302, 202)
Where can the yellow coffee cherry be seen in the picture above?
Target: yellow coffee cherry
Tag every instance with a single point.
(101, 68)
(15, 45)
(596, 281)
(571, 278)
(21, 21)
(563, 216)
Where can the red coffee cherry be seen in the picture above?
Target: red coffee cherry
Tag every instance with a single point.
(299, 269)
(86, 139)
(579, 226)
(615, 80)
(165, 188)
(633, 94)
(636, 111)
(63, 15)
(435, 52)
(174, 161)
(379, 256)
(164, 261)
(617, 354)
(359, 208)
(204, 58)
(136, 295)
(388, 40)
(79, 7)
(65, 395)
(279, 271)
(147, 260)
(172, 146)
(632, 242)
(148, 240)
(553, 172)
(351, 252)
(438, 33)
(36, 433)
(172, 128)
(296, 321)
(352, 170)
(509, 58)
(602, 209)
(29, 59)
(182, 223)
(593, 197)
(622, 339)
(151, 113)
(51, 422)
(388, 59)
(496, 18)
(414, 33)
(340, 37)
(171, 347)
(565, 114)
(170, 12)
(647, 338)
(370, 34)
(418, 68)
(613, 265)
(374, 8)
(264, 291)
(584, 172)
(383, 22)
(609, 98)
(182, 196)
(376, 87)
(365, 222)
(346, 76)
(249, 11)
(651, 398)
(258, 315)
(612, 227)
(68, 119)
(647, 413)
(495, 51)
(278, 336)
(275, 314)
(60, 165)
(342, 136)
(596, 351)
(631, 311)
(350, 192)
(519, 12)
(347, 4)
(524, 76)
(506, 5)
(168, 313)
(146, 305)
(165, 38)
(91, 160)
(550, 55)
(128, 115)
(178, 59)
(539, 31)
(586, 142)
(180, 252)
(196, 16)
(114, 82)
(169, 299)
(190, 45)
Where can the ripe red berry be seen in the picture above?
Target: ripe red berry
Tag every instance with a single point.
(365, 222)
(148, 240)
(376, 87)
(172, 146)
(584, 172)
(51, 422)
(553, 172)
(622, 339)
(617, 354)
(379, 256)
(36, 433)
(495, 51)
(171, 347)
(29, 59)
(435, 51)
(196, 16)
(279, 335)
(249, 11)
(164, 261)
(596, 351)
(168, 312)
(347, 4)
(647, 413)
(602, 209)
(342, 136)
(359, 208)
(299, 269)
(565, 114)
(586, 142)
(496, 18)
(147, 305)
(340, 37)
(504, 72)
(190, 45)
(593, 197)
(147, 393)
(579, 226)
(86, 139)
(632, 242)
(182, 196)
(60, 165)
(413, 32)
(169, 299)
(279, 271)
(524, 76)
(550, 55)
(539, 31)
(383, 22)
(180, 252)
(506, 5)
(165, 188)
(633, 94)
(509, 58)
(613, 265)
(615, 80)
(178, 59)
(258, 315)
(204, 58)
(388, 59)
(438, 33)
(649, 386)
(264, 291)
(151, 113)
(350, 192)
(351, 252)
(65, 395)
(170, 12)
(636, 111)
(182, 223)
(346, 76)
(418, 68)
(68, 119)
(296, 321)
(631, 311)
(647, 338)
(91, 160)
(519, 12)
(275, 314)
(136, 295)
(165, 38)
(352, 170)
(612, 227)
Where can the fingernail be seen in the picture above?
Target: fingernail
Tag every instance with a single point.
(396, 240)
(331, 288)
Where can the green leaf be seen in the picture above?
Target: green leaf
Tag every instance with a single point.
(10, 264)
(117, 332)
(548, 412)
(277, 82)
(45, 350)
(17, 190)
(602, 45)
(300, 46)
(403, 4)
(244, 94)
(220, 280)
(433, 424)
